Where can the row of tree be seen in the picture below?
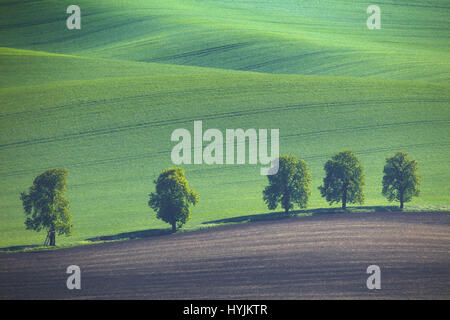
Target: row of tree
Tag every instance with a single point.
(343, 182)
(46, 207)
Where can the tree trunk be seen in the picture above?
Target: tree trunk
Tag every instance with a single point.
(401, 201)
(52, 236)
(174, 227)
(285, 203)
(344, 197)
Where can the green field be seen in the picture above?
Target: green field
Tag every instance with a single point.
(103, 101)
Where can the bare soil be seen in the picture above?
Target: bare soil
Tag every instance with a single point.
(318, 257)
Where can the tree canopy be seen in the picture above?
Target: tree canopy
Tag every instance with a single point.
(45, 204)
(290, 185)
(400, 181)
(172, 197)
(344, 179)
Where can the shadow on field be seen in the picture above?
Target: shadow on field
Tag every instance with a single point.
(304, 212)
(132, 235)
(19, 248)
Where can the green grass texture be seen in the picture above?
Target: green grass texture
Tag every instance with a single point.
(103, 101)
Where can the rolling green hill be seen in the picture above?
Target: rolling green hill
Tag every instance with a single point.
(103, 101)
(324, 37)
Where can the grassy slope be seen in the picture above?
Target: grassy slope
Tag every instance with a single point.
(109, 121)
(113, 134)
(326, 37)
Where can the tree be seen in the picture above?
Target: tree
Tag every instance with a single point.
(46, 206)
(289, 186)
(172, 197)
(344, 179)
(400, 181)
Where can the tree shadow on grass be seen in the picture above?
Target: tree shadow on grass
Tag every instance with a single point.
(303, 212)
(19, 248)
(120, 236)
(132, 235)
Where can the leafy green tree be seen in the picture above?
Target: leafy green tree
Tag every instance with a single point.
(344, 179)
(400, 181)
(172, 197)
(289, 186)
(46, 206)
